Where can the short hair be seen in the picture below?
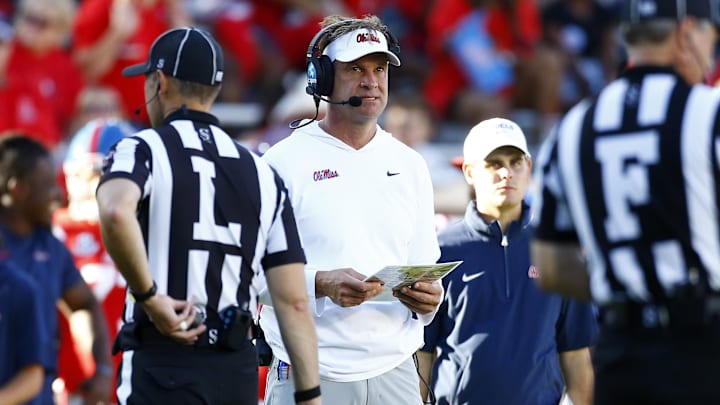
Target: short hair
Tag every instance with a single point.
(651, 32)
(204, 93)
(369, 21)
(19, 156)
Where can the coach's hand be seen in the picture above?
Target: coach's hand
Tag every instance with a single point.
(173, 318)
(345, 287)
(422, 298)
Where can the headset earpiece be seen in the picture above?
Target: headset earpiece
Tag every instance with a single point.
(320, 72)
(321, 69)
(157, 77)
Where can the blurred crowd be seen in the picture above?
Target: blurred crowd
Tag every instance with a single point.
(468, 60)
(463, 61)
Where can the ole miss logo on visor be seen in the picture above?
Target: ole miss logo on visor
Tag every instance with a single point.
(367, 37)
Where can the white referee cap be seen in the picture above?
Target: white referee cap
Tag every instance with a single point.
(492, 134)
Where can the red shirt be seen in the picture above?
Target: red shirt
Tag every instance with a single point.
(91, 22)
(291, 32)
(24, 109)
(84, 242)
(57, 78)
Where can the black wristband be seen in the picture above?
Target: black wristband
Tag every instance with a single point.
(139, 298)
(307, 395)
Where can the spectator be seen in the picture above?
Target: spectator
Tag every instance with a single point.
(409, 119)
(22, 106)
(487, 62)
(40, 56)
(97, 102)
(232, 23)
(583, 32)
(28, 195)
(109, 35)
(498, 339)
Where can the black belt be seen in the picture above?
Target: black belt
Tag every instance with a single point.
(675, 314)
(135, 336)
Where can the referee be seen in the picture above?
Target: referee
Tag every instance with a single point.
(632, 177)
(191, 218)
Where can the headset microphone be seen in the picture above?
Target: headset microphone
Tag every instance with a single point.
(139, 109)
(353, 101)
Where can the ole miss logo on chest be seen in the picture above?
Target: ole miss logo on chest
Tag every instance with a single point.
(324, 174)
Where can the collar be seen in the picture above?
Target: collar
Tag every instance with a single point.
(640, 71)
(184, 113)
(477, 224)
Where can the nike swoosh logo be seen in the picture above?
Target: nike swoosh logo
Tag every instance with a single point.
(391, 174)
(466, 278)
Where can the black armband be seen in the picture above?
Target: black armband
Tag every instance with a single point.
(307, 395)
(140, 298)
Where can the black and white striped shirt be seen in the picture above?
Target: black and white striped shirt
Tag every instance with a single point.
(634, 176)
(212, 213)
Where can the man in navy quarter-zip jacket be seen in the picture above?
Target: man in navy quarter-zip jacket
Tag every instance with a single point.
(496, 338)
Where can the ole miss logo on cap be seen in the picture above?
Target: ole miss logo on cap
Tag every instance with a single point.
(367, 37)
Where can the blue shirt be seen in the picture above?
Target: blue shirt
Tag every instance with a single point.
(498, 335)
(42, 256)
(22, 331)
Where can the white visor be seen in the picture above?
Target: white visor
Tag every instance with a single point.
(356, 44)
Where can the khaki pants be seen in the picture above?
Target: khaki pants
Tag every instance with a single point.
(398, 386)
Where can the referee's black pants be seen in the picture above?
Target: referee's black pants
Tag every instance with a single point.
(657, 366)
(185, 375)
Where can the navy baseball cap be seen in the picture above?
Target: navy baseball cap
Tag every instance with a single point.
(185, 53)
(635, 11)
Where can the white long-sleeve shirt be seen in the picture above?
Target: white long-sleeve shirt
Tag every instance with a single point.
(363, 209)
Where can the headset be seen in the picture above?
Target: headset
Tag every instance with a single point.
(320, 70)
(157, 93)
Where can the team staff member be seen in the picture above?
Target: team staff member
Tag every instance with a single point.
(209, 214)
(22, 336)
(630, 182)
(363, 201)
(500, 339)
(29, 193)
